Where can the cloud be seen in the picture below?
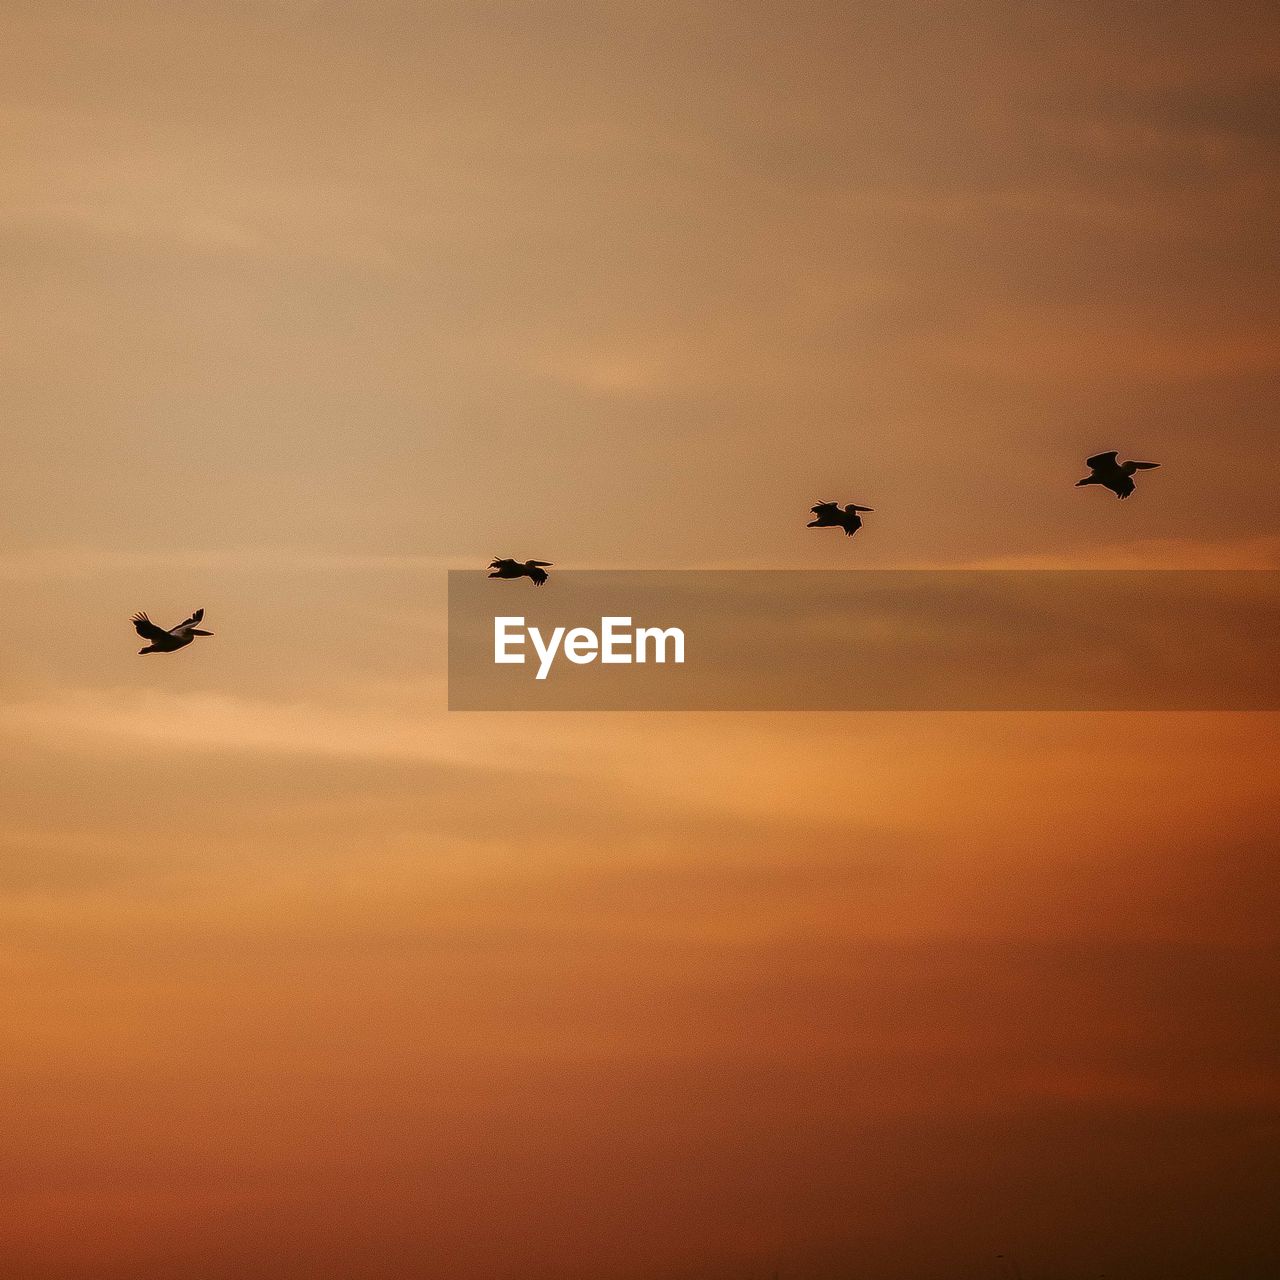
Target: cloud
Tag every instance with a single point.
(40, 564)
(1040, 343)
(1260, 552)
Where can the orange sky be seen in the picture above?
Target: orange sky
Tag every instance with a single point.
(306, 303)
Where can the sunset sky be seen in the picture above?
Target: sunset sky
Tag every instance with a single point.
(306, 303)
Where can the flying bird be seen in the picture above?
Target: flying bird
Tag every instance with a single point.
(163, 641)
(535, 569)
(1106, 469)
(833, 516)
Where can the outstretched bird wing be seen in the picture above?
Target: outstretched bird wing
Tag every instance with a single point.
(824, 508)
(1102, 459)
(148, 629)
(191, 621)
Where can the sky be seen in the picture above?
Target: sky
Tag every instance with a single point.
(307, 303)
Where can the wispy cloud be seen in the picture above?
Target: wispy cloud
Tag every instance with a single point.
(43, 563)
(1262, 552)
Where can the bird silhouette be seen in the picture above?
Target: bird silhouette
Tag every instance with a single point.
(163, 641)
(833, 516)
(535, 569)
(1106, 469)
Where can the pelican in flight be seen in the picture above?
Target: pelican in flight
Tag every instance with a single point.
(535, 569)
(833, 516)
(163, 641)
(1106, 469)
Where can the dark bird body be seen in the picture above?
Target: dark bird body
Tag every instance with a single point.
(534, 569)
(163, 641)
(831, 515)
(1106, 469)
